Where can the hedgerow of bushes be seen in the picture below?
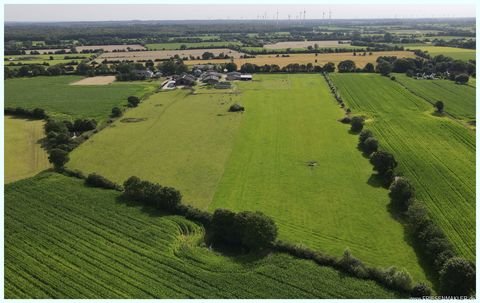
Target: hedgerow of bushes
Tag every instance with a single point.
(456, 275)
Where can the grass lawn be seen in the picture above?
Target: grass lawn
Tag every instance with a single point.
(65, 240)
(59, 99)
(24, 156)
(184, 141)
(177, 45)
(436, 153)
(459, 100)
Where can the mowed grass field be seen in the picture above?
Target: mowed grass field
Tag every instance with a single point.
(65, 240)
(42, 58)
(289, 121)
(436, 153)
(62, 100)
(459, 100)
(24, 156)
(182, 140)
(258, 161)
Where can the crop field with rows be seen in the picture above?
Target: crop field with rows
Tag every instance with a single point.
(65, 240)
(436, 153)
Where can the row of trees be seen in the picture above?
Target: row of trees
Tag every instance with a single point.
(456, 275)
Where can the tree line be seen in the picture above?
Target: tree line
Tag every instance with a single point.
(456, 275)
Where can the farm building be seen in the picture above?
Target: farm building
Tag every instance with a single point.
(185, 79)
(233, 76)
(211, 79)
(246, 77)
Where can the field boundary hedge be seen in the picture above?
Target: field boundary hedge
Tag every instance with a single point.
(429, 240)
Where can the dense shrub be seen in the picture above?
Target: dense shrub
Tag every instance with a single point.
(95, 180)
(364, 135)
(457, 277)
(370, 145)
(420, 290)
(401, 193)
(461, 79)
(116, 112)
(151, 194)
(353, 265)
(398, 279)
(36, 113)
(58, 158)
(253, 230)
(346, 120)
(357, 124)
(383, 161)
(133, 101)
(256, 229)
(83, 125)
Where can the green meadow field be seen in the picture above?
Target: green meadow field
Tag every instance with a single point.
(65, 240)
(64, 101)
(459, 100)
(436, 153)
(24, 156)
(180, 139)
(259, 161)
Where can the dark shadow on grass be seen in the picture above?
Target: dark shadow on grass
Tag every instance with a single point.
(351, 132)
(23, 118)
(376, 181)
(152, 212)
(430, 273)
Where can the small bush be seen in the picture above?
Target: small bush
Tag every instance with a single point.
(392, 78)
(357, 124)
(236, 108)
(353, 265)
(116, 112)
(346, 120)
(133, 101)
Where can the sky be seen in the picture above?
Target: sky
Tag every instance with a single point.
(114, 12)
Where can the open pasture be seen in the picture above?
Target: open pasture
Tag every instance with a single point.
(259, 161)
(65, 240)
(459, 100)
(178, 45)
(178, 139)
(24, 156)
(305, 44)
(436, 153)
(320, 59)
(65, 101)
